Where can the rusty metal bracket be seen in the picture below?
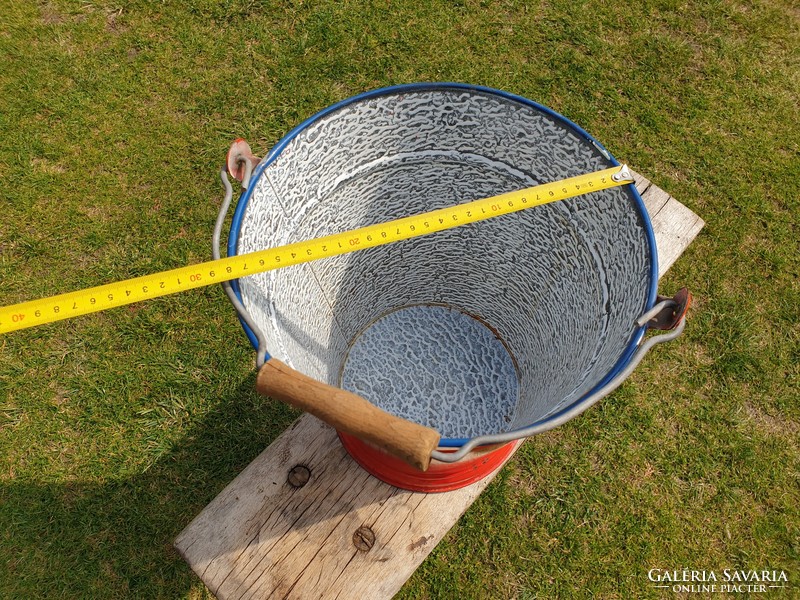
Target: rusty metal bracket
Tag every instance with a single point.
(671, 312)
(241, 161)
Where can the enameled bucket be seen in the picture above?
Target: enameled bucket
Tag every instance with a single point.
(485, 333)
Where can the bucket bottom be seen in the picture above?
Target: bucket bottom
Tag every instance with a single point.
(436, 366)
(442, 368)
(440, 477)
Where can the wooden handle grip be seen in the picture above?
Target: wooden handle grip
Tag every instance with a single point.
(348, 412)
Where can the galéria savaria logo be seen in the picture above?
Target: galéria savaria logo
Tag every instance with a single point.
(730, 581)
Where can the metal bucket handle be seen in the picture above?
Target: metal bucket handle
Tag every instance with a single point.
(666, 308)
(348, 412)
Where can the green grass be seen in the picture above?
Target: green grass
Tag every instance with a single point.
(117, 428)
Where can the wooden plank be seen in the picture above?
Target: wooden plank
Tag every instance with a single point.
(675, 225)
(261, 537)
(640, 182)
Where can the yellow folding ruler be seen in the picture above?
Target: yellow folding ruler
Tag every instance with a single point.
(112, 295)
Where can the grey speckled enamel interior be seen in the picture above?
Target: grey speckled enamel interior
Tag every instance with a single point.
(475, 330)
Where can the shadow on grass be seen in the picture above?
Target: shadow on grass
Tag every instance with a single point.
(114, 538)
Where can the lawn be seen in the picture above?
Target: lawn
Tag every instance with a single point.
(117, 428)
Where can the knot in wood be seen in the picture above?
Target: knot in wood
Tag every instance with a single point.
(299, 476)
(364, 538)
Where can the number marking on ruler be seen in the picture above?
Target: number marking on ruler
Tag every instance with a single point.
(147, 287)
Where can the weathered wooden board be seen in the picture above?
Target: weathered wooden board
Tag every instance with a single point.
(263, 538)
(675, 225)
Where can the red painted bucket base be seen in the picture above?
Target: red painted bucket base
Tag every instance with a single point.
(440, 477)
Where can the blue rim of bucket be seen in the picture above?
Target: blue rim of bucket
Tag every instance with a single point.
(636, 337)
